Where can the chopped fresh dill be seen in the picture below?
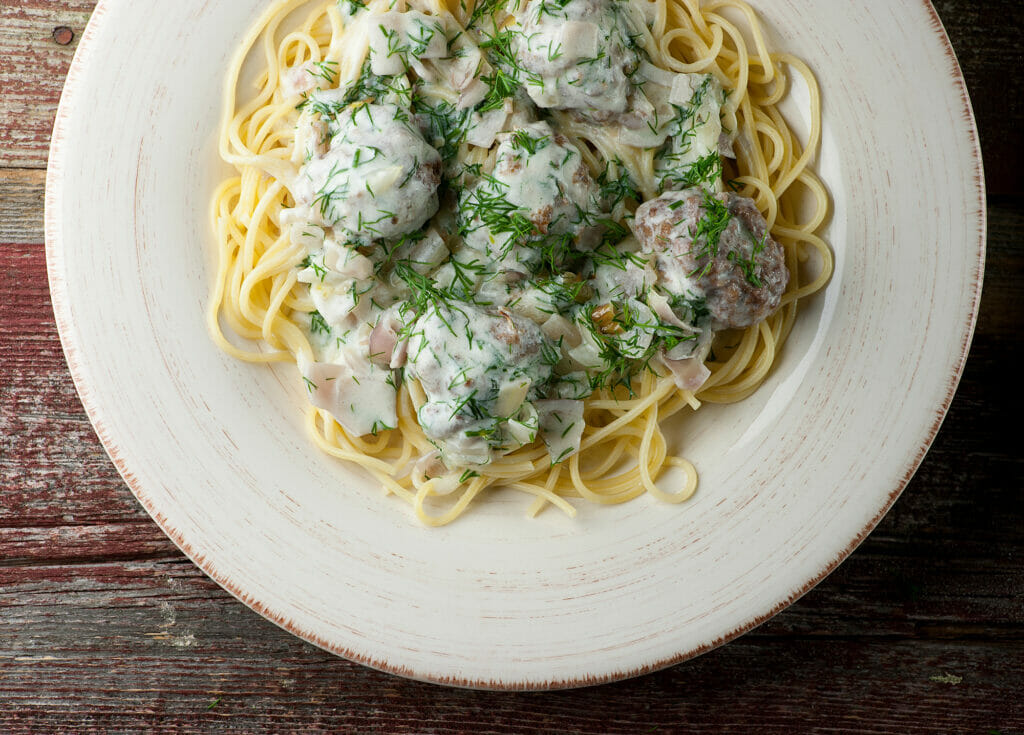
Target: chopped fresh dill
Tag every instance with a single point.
(484, 9)
(749, 264)
(317, 268)
(703, 172)
(509, 73)
(522, 140)
(706, 237)
(326, 70)
(317, 323)
(616, 185)
(351, 6)
(444, 125)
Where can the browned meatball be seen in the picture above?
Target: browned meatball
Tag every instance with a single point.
(720, 244)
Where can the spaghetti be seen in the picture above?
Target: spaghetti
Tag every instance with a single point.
(324, 62)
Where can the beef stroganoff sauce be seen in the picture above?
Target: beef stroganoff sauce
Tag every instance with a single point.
(503, 242)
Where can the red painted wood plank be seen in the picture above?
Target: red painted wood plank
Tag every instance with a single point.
(53, 470)
(20, 546)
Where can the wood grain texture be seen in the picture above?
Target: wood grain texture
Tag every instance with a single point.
(104, 625)
(987, 39)
(21, 200)
(32, 69)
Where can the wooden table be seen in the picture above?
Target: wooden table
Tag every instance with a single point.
(105, 625)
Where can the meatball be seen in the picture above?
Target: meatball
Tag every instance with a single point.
(716, 246)
(545, 175)
(540, 196)
(577, 55)
(377, 179)
(480, 370)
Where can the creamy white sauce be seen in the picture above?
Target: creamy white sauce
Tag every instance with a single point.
(561, 426)
(360, 395)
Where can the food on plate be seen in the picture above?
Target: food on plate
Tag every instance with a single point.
(504, 242)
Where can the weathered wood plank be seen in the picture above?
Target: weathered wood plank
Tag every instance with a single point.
(759, 686)
(1001, 305)
(910, 594)
(986, 38)
(21, 205)
(33, 64)
(20, 546)
(142, 645)
(53, 470)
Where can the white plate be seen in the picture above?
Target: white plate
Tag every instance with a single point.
(791, 480)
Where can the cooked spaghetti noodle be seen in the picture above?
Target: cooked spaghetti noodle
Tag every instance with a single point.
(308, 49)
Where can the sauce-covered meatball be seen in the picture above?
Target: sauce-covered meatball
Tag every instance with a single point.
(539, 199)
(577, 55)
(480, 369)
(715, 246)
(377, 178)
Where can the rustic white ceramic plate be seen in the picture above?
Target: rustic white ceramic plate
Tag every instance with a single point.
(791, 480)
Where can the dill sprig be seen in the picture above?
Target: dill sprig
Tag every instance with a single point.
(703, 172)
(488, 204)
(689, 308)
(317, 323)
(331, 192)
(318, 268)
(444, 125)
(351, 6)
(749, 265)
(565, 291)
(554, 8)
(618, 186)
(326, 70)
(425, 292)
(522, 140)
(366, 87)
(484, 9)
(467, 275)
(706, 236)
(508, 74)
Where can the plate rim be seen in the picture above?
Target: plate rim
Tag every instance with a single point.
(65, 326)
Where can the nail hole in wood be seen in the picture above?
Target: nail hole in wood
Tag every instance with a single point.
(63, 35)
